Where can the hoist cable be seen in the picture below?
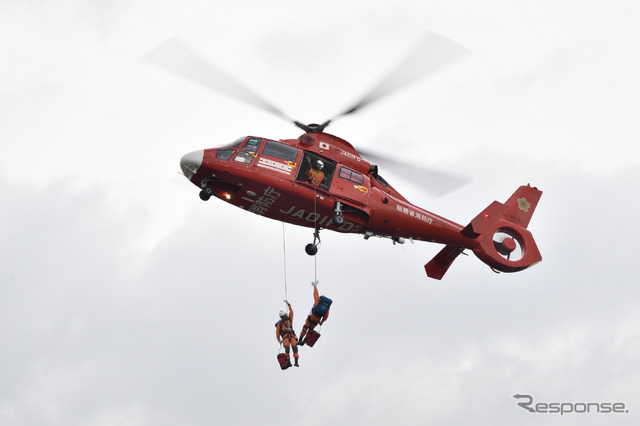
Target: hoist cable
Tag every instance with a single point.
(315, 215)
(284, 257)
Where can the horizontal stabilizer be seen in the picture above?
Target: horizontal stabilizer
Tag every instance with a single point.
(439, 265)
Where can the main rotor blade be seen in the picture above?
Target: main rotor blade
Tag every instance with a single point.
(431, 54)
(176, 57)
(435, 183)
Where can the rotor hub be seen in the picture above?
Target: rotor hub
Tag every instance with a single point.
(509, 244)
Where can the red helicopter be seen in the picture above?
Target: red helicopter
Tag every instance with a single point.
(321, 181)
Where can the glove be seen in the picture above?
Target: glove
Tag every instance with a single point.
(314, 283)
(286, 301)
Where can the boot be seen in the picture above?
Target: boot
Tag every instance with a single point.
(296, 363)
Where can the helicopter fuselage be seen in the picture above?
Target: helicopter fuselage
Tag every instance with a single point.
(269, 178)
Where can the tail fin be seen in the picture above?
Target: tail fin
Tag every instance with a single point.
(505, 244)
(502, 240)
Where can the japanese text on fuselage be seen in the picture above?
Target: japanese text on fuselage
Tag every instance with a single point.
(413, 213)
(263, 203)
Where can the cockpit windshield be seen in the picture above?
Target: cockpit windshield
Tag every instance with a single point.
(224, 152)
(233, 145)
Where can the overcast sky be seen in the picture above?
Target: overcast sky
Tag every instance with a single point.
(126, 300)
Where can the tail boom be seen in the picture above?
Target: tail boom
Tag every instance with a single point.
(498, 236)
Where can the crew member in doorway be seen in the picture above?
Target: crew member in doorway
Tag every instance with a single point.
(319, 312)
(315, 175)
(286, 335)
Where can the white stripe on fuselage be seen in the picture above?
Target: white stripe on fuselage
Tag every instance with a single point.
(275, 166)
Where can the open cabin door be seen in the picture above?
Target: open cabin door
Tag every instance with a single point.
(309, 160)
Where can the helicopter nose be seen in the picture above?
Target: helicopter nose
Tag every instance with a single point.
(191, 162)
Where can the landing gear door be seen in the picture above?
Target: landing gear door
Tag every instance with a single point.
(352, 185)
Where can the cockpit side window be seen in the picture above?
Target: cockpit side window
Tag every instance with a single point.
(249, 151)
(279, 150)
(252, 145)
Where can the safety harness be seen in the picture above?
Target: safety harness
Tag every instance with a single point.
(286, 329)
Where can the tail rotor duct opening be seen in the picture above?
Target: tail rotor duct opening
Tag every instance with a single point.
(508, 244)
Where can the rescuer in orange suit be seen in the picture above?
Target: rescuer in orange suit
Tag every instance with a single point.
(286, 335)
(317, 316)
(315, 175)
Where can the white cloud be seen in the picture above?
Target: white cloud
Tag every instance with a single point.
(126, 300)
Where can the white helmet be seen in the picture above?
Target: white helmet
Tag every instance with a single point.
(319, 165)
(282, 314)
